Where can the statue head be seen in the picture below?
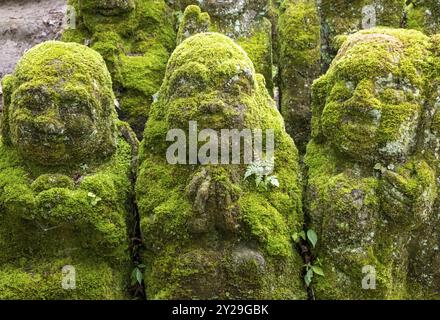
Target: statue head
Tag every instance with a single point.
(211, 79)
(371, 99)
(59, 105)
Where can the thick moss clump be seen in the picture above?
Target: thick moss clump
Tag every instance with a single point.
(194, 21)
(243, 21)
(209, 233)
(135, 38)
(424, 15)
(65, 168)
(372, 185)
(299, 60)
(344, 17)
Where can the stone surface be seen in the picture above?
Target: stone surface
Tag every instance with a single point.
(209, 233)
(65, 170)
(68, 166)
(340, 18)
(135, 38)
(244, 21)
(25, 23)
(372, 185)
(424, 15)
(424, 248)
(299, 65)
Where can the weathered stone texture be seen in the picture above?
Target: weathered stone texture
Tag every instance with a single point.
(209, 233)
(65, 172)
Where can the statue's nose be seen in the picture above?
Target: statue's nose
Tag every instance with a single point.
(50, 124)
(364, 93)
(55, 128)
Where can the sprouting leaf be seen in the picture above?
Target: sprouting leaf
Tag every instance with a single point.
(95, 201)
(273, 180)
(308, 277)
(249, 172)
(298, 235)
(261, 171)
(258, 180)
(133, 277)
(318, 270)
(139, 276)
(136, 276)
(313, 237)
(295, 237)
(318, 262)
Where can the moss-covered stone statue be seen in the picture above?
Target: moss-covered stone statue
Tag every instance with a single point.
(372, 181)
(65, 179)
(209, 233)
(299, 65)
(340, 18)
(424, 15)
(425, 244)
(135, 37)
(244, 21)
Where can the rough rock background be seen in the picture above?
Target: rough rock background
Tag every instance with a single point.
(25, 23)
(135, 42)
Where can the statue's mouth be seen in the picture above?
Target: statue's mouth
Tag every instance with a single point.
(47, 137)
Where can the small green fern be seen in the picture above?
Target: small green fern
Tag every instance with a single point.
(261, 170)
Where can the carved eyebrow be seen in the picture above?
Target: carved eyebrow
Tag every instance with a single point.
(28, 100)
(78, 104)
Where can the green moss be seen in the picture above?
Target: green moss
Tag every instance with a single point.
(299, 39)
(135, 38)
(259, 48)
(255, 37)
(346, 210)
(60, 204)
(45, 182)
(42, 281)
(267, 225)
(344, 17)
(209, 234)
(58, 100)
(106, 7)
(389, 285)
(193, 21)
(365, 114)
(411, 189)
(369, 189)
(423, 15)
(50, 219)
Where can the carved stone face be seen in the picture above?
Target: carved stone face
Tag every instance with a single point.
(372, 108)
(219, 78)
(61, 105)
(108, 7)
